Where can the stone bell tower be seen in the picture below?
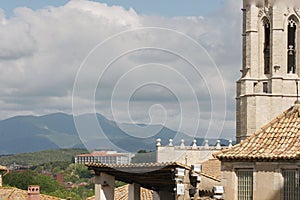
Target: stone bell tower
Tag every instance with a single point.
(271, 59)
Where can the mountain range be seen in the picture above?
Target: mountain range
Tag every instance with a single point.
(21, 134)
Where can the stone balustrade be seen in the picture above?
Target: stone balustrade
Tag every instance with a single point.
(187, 154)
(194, 145)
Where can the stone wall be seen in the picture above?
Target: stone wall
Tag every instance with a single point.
(188, 155)
(255, 106)
(267, 183)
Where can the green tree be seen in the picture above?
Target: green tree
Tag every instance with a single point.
(47, 183)
(19, 179)
(142, 151)
(23, 179)
(72, 172)
(119, 183)
(83, 171)
(144, 157)
(77, 173)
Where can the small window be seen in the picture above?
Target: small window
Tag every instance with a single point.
(291, 187)
(255, 87)
(267, 47)
(265, 87)
(245, 184)
(292, 28)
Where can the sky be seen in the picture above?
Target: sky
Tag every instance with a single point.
(156, 62)
(168, 8)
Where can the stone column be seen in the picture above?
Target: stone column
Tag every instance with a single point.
(279, 44)
(104, 187)
(251, 40)
(134, 192)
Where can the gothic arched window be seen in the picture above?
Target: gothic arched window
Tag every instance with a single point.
(267, 47)
(292, 30)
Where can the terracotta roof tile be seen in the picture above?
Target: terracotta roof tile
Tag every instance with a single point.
(11, 193)
(121, 193)
(212, 168)
(278, 140)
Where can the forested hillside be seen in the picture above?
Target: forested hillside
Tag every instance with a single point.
(41, 157)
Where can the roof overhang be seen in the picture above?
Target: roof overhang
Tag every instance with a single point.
(153, 176)
(258, 159)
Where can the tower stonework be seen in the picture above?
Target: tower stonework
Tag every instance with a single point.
(271, 58)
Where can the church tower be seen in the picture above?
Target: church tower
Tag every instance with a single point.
(271, 63)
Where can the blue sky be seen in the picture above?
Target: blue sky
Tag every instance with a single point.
(167, 8)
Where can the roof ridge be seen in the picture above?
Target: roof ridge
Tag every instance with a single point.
(269, 142)
(210, 176)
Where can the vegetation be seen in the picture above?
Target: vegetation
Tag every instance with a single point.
(23, 179)
(43, 164)
(41, 157)
(119, 183)
(52, 167)
(75, 193)
(74, 173)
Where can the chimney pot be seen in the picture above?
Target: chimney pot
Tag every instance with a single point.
(33, 192)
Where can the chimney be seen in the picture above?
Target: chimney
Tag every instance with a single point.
(60, 178)
(33, 192)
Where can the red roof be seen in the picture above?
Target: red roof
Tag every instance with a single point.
(278, 140)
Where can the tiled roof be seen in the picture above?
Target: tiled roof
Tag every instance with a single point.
(278, 140)
(11, 193)
(121, 193)
(212, 168)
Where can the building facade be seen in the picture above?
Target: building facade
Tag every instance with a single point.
(266, 165)
(187, 154)
(270, 68)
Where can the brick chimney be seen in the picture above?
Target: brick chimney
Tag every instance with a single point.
(60, 178)
(33, 192)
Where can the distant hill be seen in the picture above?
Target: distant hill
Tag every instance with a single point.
(41, 157)
(56, 131)
(31, 133)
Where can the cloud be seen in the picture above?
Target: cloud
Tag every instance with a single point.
(43, 50)
(17, 41)
(113, 14)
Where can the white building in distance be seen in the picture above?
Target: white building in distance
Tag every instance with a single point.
(107, 157)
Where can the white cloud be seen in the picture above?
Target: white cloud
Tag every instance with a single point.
(114, 14)
(43, 50)
(16, 41)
